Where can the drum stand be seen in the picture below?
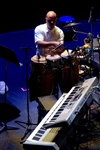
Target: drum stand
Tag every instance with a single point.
(28, 123)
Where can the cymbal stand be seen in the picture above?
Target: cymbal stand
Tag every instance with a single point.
(28, 123)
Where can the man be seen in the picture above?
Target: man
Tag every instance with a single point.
(48, 37)
(49, 40)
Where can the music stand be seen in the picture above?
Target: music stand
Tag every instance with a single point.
(28, 123)
(8, 55)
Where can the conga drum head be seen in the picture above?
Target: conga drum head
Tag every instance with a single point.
(67, 58)
(38, 64)
(66, 53)
(53, 58)
(35, 59)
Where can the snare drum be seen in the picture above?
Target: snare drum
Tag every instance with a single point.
(53, 62)
(67, 58)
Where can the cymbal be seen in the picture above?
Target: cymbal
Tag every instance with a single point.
(71, 24)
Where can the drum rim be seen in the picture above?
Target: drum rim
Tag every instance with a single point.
(65, 56)
(34, 59)
(58, 57)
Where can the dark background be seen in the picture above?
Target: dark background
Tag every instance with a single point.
(17, 22)
(27, 14)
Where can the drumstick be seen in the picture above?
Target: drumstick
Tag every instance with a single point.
(57, 47)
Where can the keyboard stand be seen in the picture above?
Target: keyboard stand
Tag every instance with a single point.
(45, 104)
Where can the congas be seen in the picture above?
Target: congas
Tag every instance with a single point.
(38, 64)
(53, 62)
(67, 58)
(69, 73)
(41, 80)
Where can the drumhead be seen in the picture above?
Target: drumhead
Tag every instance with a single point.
(66, 53)
(35, 59)
(55, 57)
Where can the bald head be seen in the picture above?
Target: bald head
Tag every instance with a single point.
(51, 14)
(51, 18)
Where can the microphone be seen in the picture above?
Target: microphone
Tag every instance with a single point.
(38, 55)
(90, 17)
(90, 36)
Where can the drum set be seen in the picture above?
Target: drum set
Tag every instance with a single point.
(50, 71)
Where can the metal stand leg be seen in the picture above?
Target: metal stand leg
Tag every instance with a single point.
(28, 123)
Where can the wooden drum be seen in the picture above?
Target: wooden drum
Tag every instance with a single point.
(41, 81)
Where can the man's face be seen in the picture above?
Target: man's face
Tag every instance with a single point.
(51, 21)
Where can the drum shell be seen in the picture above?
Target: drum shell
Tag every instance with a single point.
(41, 81)
(68, 58)
(67, 61)
(38, 67)
(54, 62)
(68, 76)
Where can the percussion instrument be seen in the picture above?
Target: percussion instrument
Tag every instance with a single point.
(63, 20)
(38, 63)
(67, 58)
(68, 32)
(53, 62)
(38, 59)
(69, 73)
(71, 24)
(41, 80)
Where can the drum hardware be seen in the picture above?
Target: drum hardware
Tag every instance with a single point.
(79, 31)
(70, 24)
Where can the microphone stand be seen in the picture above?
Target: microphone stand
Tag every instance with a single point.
(90, 34)
(98, 38)
(28, 123)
